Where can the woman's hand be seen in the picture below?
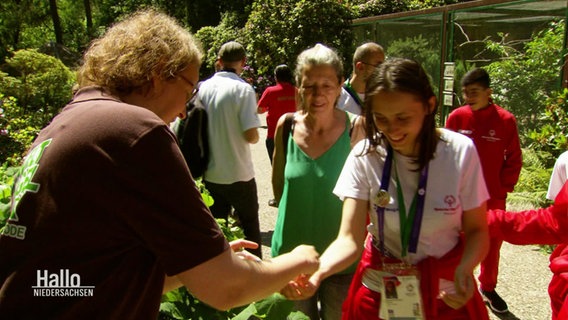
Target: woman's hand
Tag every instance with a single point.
(465, 286)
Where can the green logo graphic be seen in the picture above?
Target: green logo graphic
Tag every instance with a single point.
(24, 182)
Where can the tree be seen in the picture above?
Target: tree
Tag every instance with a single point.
(16, 17)
(212, 38)
(56, 23)
(88, 17)
(278, 30)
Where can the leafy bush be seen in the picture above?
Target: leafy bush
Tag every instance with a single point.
(212, 38)
(258, 82)
(17, 131)
(551, 136)
(523, 80)
(422, 49)
(41, 84)
(278, 30)
(530, 191)
(378, 7)
(34, 88)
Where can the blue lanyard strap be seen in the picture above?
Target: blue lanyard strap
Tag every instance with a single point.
(380, 209)
(416, 213)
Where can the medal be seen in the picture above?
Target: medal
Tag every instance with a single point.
(382, 198)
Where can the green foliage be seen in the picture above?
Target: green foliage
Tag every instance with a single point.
(378, 7)
(34, 89)
(180, 304)
(421, 49)
(16, 131)
(207, 198)
(278, 30)
(212, 38)
(523, 81)
(7, 175)
(42, 84)
(425, 4)
(530, 191)
(258, 82)
(551, 135)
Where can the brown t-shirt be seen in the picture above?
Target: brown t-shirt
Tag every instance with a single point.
(105, 207)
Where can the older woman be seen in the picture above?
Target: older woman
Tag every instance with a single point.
(422, 190)
(105, 215)
(304, 177)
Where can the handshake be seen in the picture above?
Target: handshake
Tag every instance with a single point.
(301, 264)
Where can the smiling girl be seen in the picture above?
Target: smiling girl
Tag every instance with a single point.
(422, 189)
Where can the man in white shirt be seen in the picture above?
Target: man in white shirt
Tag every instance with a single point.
(366, 58)
(232, 126)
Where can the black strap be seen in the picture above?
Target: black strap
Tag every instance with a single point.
(287, 128)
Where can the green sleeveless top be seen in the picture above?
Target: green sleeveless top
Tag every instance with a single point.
(309, 212)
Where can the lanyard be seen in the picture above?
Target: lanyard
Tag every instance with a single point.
(409, 226)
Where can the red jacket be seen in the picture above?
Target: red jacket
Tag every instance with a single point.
(494, 132)
(541, 226)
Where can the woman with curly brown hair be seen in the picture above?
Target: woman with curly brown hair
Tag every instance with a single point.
(105, 215)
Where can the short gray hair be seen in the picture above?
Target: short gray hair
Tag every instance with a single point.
(319, 55)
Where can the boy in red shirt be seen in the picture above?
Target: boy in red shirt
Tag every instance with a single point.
(494, 132)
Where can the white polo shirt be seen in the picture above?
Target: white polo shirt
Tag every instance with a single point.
(231, 109)
(455, 183)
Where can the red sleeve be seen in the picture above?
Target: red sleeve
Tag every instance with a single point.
(513, 157)
(539, 226)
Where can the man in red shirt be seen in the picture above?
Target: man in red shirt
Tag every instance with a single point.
(277, 100)
(494, 132)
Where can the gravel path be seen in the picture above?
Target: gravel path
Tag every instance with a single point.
(523, 274)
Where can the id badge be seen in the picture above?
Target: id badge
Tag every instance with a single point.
(400, 293)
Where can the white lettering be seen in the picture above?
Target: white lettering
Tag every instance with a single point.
(63, 279)
(68, 292)
(42, 279)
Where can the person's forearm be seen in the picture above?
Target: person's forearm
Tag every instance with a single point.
(476, 248)
(266, 278)
(340, 254)
(228, 281)
(171, 283)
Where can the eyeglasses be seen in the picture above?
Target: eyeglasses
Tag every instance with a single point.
(195, 89)
(374, 65)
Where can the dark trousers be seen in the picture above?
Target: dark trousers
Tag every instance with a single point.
(241, 196)
(270, 148)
